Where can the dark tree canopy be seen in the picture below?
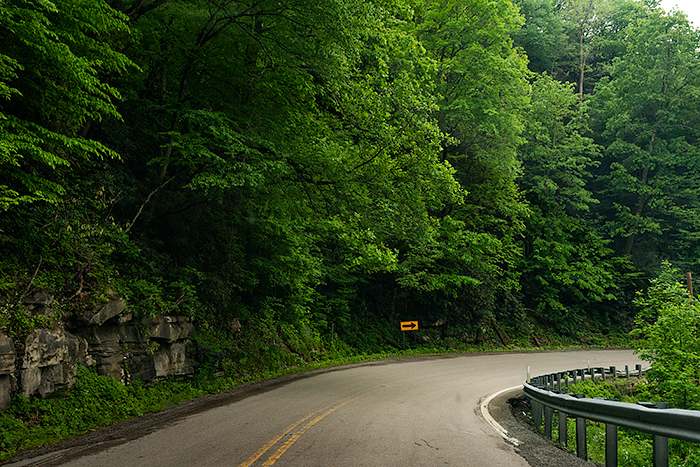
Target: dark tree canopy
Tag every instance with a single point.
(483, 166)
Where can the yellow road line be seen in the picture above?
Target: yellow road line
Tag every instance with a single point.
(274, 441)
(328, 409)
(296, 436)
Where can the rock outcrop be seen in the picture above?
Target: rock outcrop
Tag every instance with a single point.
(50, 361)
(7, 369)
(109, 338)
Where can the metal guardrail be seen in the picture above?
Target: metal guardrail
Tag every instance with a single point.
(547, 396)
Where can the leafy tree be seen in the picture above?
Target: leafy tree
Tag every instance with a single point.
(481, 81)
(557, 157)
(481, 76)
(647, 112)
(567, 268)
(667, 326)
(298, 144)
(54, 69)
(543, 37)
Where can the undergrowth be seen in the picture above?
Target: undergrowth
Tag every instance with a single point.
(635, 449)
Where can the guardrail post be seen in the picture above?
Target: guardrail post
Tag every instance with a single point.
(536, 414)
(627, 371)
(563, 429)
(660, 442)
(548, 413)
(610, 445)
(639, 370)
(660, 451)
(581, 445)
(612, 413)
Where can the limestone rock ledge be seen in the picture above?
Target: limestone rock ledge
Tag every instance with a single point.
(109, 338)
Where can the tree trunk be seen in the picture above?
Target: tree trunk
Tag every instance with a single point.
(582, 66)
(642, 198)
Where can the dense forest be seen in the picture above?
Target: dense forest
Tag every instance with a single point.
(279, 170)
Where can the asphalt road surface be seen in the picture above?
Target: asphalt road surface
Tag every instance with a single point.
(405, 412)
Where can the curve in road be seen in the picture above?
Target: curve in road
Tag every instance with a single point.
(417, 411)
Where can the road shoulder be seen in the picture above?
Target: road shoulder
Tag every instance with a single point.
(536, 450)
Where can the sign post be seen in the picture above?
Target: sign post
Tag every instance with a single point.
(408, 326)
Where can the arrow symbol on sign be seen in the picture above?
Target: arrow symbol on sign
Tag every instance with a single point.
(409, 325)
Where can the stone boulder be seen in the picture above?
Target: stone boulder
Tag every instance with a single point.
(103, 346)
(7, 355)
(7, 369)
(170, 328)
(113, 308)
(39, 303)
(49, 361)
(38, 298)
(173, 360)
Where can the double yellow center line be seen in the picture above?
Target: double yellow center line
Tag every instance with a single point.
(310, 420)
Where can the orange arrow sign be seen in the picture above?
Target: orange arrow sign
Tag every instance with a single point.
(409, 325)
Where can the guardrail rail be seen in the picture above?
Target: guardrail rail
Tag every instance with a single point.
(548, 394)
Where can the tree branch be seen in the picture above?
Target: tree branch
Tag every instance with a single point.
(148, 198)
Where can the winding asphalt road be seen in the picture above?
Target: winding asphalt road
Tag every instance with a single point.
(406, 412)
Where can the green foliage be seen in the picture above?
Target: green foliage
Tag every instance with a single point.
(667, 325)
(646, 118)
(95, 401)
(543, 37)
(52, 85)
(635, 449)
(16, 321)
(557, 158)
(567, 267)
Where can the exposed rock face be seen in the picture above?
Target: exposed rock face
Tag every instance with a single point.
(103, 347)
(38, 298)
(110, 338)
(110, 310)
(49, 361)
(170, 328)
(126, 349)
(7, 368)
(168, 353)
